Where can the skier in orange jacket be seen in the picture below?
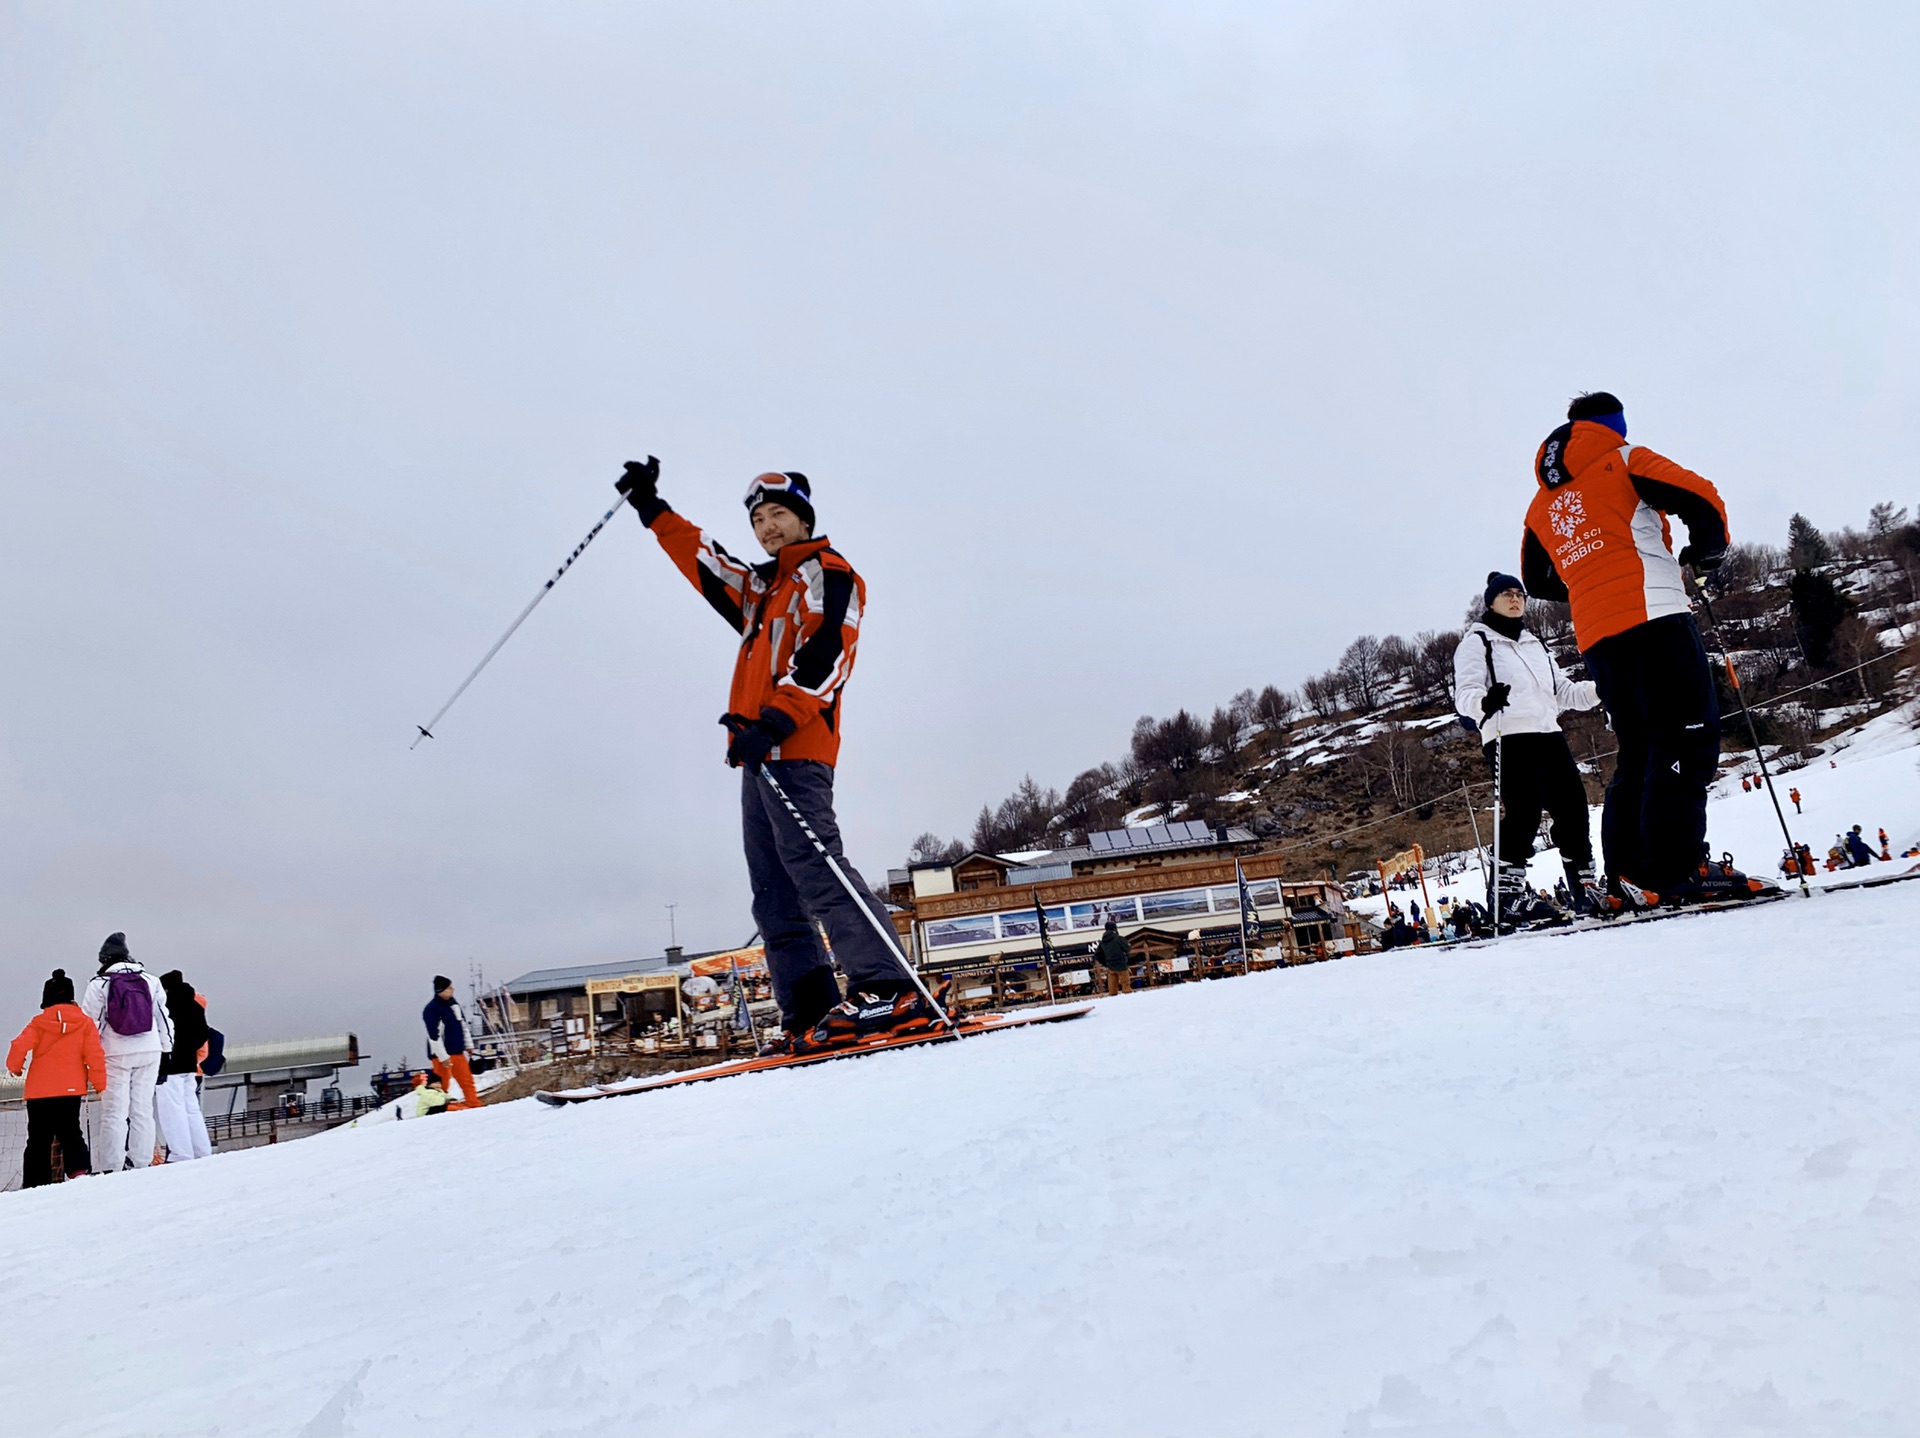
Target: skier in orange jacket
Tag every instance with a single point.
(67, 1061)
(1598, 536)
(798, 617)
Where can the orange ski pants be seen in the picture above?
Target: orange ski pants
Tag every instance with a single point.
(453, 1068)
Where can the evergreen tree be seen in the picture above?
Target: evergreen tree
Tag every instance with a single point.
(1806, 545)
(1818, 609)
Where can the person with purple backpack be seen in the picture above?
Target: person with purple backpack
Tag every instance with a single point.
(130, 1008)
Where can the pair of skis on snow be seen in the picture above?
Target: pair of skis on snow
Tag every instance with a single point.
(1589, 925)
(880, 1043)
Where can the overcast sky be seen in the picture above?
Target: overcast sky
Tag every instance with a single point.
(1138, 354)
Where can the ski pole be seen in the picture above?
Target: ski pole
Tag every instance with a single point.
(426, 729)
(891, 939)
(1499, 754)
(1733, 678)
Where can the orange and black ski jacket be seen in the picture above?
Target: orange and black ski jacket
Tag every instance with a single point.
(798, 617)
(1597, 534)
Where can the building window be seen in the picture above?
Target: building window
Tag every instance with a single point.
(577, 1006)
(945, 933)
(549, 1008)
(609, 1003)
(1178, 904)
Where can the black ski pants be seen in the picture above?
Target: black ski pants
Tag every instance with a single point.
(1537, 774)
(51, 1120)
(1659, 696)
(793, 887)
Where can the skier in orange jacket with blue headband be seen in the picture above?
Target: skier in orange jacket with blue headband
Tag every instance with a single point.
(1598, 537)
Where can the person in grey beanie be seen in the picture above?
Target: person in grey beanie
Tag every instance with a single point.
(129, 1007)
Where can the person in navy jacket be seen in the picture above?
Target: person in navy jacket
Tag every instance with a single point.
(446, 1025)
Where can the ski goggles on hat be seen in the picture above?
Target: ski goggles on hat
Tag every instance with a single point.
(791, 484)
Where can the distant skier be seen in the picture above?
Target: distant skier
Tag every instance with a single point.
(1859, 855)
(1507, 688)
(1597, 536)
(1794, 794)
(130, 1009)
(798, 616)
(446, 1025)
(64, 1047)
(176, 1101)
(1116, 958)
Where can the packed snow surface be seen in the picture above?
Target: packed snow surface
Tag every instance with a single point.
(1663, 1179)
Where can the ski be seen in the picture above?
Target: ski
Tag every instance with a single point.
(1590, 925)
(969, 1028)
(1878, 882)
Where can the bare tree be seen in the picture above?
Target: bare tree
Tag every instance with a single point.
(1361, 675)
(930, 848)
(1275, 708)
(1172, 745)
(1432, 672)
(1021, 821)
(1396, 656)
(1223, 735)
(1322, 693)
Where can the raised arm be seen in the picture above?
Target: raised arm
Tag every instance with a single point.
(723, 581)
(1690, 498)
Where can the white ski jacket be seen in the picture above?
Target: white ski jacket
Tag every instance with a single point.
(93, 1003)
(1541, 689)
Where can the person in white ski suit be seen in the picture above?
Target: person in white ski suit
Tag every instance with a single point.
(1508, 688)
(133, 1063)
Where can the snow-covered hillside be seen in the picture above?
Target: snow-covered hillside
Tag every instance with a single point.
(1665, 1179)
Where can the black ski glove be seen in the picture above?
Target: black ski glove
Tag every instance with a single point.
(1701, 561)
(639, 485)
(754, 739)
(1495, 700)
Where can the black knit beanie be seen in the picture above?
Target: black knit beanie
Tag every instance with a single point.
(790, 489)
(114, 950)
(1498, 584)
(56, 990)
(441, 981)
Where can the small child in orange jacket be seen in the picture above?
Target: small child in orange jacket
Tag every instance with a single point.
(67, 1061)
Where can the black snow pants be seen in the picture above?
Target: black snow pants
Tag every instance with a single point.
(1537, 774)
(1659, 696)
(792, 885)
(51, 1120)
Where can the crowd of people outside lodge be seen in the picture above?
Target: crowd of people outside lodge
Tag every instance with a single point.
(137, 1041)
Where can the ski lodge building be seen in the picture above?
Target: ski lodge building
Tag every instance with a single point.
(1172, 888)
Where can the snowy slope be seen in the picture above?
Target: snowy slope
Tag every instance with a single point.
(1663, 1179)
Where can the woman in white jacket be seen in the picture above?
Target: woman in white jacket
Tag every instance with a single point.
(1506, 686)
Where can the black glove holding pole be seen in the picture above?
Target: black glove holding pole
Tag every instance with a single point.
(1494, 700)
(640, 487)
(754, 739)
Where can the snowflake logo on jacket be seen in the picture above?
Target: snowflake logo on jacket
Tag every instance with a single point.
(1567, 513)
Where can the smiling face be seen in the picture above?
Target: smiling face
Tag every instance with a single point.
(776, 526)
(1510, 604)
